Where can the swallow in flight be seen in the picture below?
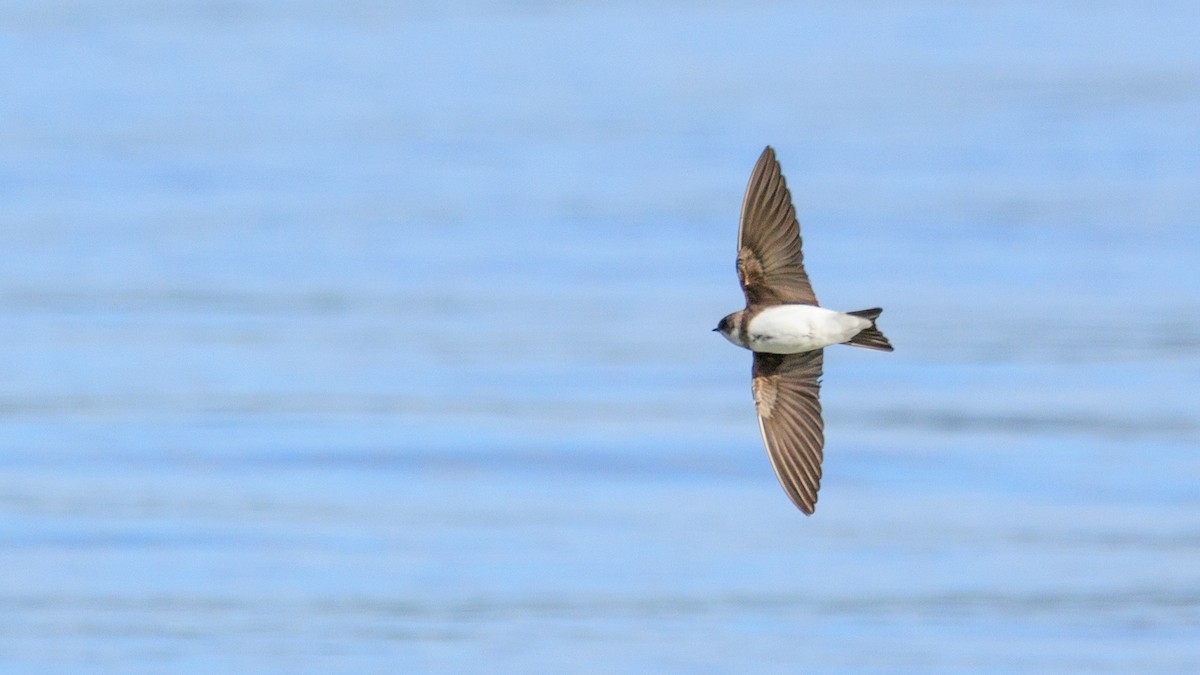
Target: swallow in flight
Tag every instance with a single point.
(788, 331)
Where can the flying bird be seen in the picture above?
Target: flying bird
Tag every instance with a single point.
(788, 330)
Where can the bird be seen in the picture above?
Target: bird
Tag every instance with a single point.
(787, 330)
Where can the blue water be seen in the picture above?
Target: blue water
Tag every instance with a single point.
(345, 337)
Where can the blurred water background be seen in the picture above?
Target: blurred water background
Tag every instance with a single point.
(345, 337)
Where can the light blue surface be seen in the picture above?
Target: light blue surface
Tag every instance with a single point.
(343, 337)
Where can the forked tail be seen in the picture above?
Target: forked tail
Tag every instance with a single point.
(870, 337)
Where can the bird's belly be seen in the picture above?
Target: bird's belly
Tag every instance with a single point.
(790, 329)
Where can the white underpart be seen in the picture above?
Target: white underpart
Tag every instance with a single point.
(790, 329)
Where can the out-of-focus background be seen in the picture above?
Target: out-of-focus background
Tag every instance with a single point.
(346, 337)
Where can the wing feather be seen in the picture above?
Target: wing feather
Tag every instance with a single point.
(770, 261)
(787, 395)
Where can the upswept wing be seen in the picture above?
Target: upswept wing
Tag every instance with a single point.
(786, 393)
(770, 263)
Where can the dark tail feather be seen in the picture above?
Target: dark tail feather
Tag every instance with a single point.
(870, 337)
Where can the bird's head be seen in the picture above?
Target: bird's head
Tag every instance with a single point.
(731, 328)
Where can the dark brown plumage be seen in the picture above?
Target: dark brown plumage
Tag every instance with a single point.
(786, 389)
(770, 262)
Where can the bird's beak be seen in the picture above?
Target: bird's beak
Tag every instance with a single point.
(715, 330)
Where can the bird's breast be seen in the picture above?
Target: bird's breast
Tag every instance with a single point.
(790, 329)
